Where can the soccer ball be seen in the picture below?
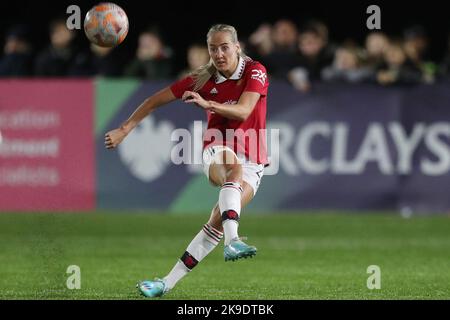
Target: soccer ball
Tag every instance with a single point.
(106, 25)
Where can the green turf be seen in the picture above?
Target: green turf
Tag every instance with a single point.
(301, 256)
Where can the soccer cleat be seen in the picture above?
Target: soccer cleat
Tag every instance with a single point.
(152, 289)
(238, 249)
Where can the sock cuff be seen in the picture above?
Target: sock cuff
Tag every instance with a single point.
(212, 233)
(234, 185)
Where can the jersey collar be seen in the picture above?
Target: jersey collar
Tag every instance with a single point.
(219, 78)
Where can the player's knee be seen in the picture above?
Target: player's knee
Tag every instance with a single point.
(234, 173)
(217, 174)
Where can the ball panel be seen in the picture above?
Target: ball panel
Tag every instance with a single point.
(106, 25)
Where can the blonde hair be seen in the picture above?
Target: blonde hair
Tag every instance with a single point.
(205, 72)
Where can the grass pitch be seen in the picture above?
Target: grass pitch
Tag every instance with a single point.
(300, 256)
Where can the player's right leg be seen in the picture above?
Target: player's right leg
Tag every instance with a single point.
(226, 170)
(215, 219)
(235, 249)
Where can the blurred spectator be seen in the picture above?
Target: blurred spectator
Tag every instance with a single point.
(282, 56)
(416, 43)
(398, 69)
(260, 41)
(98, 61)
(17, 53)
(315, 54)
(375, 46)
(445, 66)
(347, 66)
(56, 60)
(197, 56)
(153, 59)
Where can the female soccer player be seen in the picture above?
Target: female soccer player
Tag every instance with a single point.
(232, 88)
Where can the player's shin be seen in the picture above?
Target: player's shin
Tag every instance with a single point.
(230, 209)
(203, 243)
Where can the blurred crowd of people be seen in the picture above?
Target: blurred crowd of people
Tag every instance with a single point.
(300, 55)
(306, 54)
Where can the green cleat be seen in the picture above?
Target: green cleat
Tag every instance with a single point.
(152, 289)
(238, 249)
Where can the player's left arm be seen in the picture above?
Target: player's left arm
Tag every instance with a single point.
(239, 111)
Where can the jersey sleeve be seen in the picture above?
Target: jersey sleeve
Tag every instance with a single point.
(257, 80)
(182, 85)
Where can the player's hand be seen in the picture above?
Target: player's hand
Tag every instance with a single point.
(114, 137)
(194, 97)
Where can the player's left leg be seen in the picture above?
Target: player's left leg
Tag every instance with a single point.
(203, 243)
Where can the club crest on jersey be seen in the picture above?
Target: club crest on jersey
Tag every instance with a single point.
(214, 91)
(259, 75)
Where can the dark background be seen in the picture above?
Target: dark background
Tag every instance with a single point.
(185, 22)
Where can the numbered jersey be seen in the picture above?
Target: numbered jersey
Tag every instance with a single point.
(244, 137)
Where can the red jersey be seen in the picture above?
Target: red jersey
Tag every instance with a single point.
(246, 137)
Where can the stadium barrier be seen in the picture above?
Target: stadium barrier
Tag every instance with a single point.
(340, 146)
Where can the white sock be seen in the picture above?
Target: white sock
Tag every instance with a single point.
(178, 271)
(230, 209)
(203, 243)
(230, 229)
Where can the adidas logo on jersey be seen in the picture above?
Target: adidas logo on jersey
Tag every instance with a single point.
(214, 91)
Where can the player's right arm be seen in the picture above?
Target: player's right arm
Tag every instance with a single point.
(114, 137)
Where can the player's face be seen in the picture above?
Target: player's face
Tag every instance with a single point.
(223, 52)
